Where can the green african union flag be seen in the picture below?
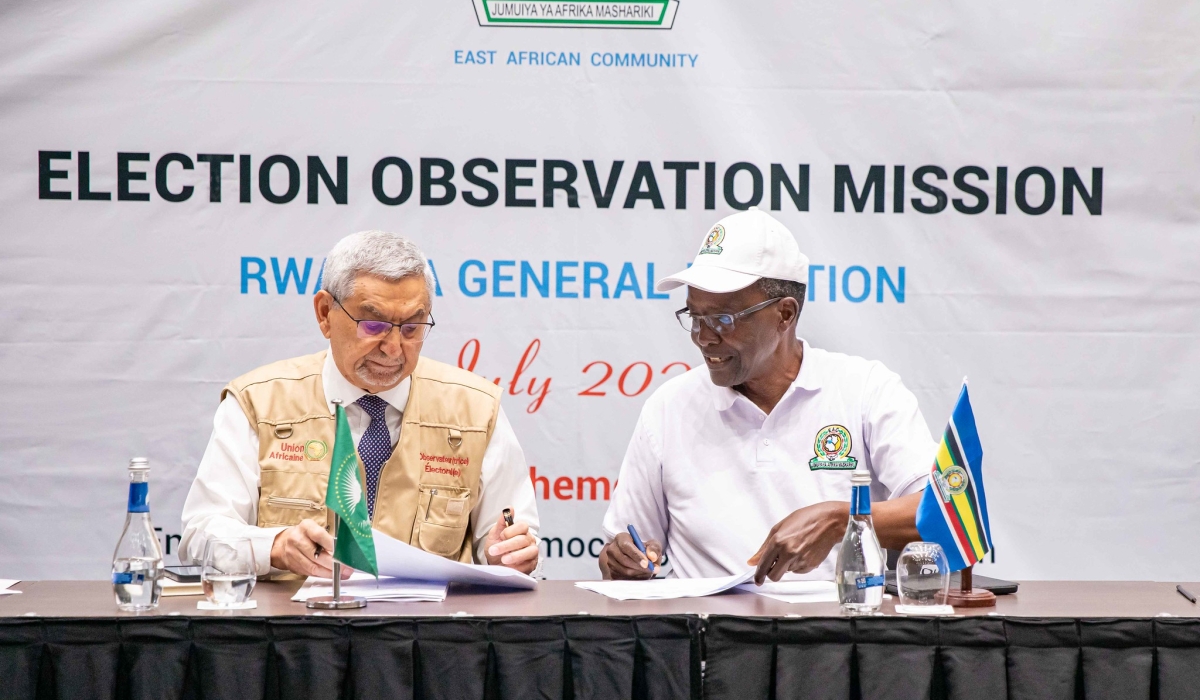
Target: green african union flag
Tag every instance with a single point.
(355, 546)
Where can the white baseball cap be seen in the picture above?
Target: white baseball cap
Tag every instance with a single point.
(738, 251)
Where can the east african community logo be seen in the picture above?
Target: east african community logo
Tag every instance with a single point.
(712, 243)
(832, 447)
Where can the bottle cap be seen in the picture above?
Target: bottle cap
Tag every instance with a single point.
(860, 478)
(139, 464)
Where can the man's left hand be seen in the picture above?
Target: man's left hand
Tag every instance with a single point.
(512, 546)
(801, 541)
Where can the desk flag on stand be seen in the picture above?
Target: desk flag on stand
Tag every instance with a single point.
(953, 511)
(344, 496)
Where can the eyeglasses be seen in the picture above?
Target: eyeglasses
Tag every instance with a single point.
(721, 324)
(409, 331)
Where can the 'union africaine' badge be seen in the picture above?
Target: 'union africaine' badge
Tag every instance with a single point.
(832, 446)
(712, 244)
(316, 450)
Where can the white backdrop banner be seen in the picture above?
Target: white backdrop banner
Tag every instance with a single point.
(1009, 193)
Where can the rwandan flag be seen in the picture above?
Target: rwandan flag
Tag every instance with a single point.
(953, 511)
(354, 547)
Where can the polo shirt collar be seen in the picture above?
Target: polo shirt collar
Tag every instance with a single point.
(808, 378)
(337, 387)
(724, 398)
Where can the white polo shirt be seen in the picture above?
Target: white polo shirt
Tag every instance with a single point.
(708, 474)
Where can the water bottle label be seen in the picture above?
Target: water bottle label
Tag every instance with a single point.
(139, 498)
(860, 500)
(868, 582)
(128, 577)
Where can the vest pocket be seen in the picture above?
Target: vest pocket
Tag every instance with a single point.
(443, 514)
(296, 503)
(275, 510)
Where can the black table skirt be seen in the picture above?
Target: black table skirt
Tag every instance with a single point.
(597, 657)
(976, 658)
(306, 657)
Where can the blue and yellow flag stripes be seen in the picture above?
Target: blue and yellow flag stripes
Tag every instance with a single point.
(953, 511)
(355, 546)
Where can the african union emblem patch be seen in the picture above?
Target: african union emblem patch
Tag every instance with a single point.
(316, 450)
(712, 244)
(832, 446)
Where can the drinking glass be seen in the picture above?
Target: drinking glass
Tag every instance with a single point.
(228, 575)
(922, 574)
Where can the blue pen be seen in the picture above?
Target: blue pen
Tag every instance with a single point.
(637, 542)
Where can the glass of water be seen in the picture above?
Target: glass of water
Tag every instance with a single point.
(922, 574)
(228, 575)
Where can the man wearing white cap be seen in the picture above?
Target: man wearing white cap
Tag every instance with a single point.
(747, 461)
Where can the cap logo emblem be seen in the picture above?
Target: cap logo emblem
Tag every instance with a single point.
(712, 242)
(832, 445)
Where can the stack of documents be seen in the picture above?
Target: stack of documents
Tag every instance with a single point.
(410, 574)
(664, 588)
(385, 588)
(5, 583)
(174, 588)
(400, 560)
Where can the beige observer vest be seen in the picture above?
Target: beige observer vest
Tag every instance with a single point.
(428, 487)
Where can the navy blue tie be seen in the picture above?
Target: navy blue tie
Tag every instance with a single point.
(375, 447)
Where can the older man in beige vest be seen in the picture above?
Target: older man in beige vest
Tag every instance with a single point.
(438, 457)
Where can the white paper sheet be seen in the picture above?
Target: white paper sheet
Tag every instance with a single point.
(795, 591)
(921, 610)
(5, 583)
(664, 588)
(385, 588)
(403, 561)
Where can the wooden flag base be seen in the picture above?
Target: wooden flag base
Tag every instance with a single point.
(969, 597)
(977, 598)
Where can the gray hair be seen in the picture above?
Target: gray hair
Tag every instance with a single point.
(388, 255)
(784, 288)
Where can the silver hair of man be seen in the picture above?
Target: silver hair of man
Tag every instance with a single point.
(386, 255)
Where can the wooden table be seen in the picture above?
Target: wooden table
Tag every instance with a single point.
(1068, 599)
(1067, 640)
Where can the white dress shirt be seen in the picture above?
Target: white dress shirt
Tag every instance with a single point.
(708, 474)
(223, 500)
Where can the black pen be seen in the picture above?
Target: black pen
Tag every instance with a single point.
(1183, 592)
(508, 518)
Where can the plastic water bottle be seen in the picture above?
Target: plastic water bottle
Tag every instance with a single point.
(860, 562)
(138, 562)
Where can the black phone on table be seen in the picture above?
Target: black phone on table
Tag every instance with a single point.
(183, 574)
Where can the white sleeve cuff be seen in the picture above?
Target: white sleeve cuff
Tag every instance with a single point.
(262, 541)
(914, 484)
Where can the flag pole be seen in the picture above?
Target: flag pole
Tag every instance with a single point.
(335, 601)
(967, 596)
(337, 565)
